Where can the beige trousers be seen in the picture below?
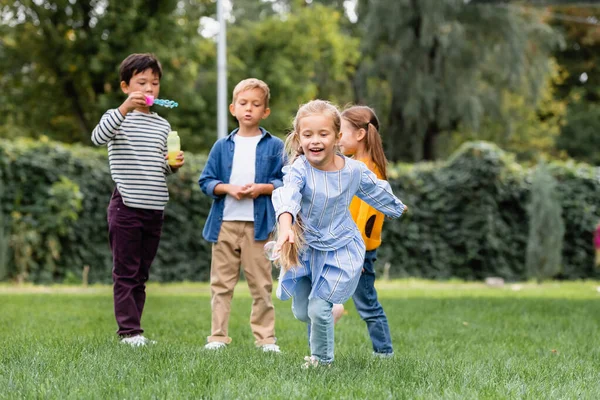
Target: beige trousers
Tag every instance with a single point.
(235, 246)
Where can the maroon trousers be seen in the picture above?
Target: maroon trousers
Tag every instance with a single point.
(134, 234)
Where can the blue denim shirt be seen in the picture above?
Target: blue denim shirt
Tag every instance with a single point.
(270, 159)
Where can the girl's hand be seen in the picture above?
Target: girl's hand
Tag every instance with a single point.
(284, 236)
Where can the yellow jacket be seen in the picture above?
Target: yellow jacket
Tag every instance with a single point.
(368, 219)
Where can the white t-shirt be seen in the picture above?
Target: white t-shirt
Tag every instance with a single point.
(242, 173)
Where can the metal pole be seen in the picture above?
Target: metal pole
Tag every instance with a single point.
(221, 73)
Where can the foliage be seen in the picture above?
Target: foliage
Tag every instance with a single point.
(579, 137)
(467, 216)
(580, 88)
(71, 50)
(270, 50)
(445, 62)
(546, 227)
(522, 129)
(3, 238)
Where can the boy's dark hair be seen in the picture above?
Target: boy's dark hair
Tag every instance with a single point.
(138, 62)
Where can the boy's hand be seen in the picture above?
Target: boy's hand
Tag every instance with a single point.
(180, 160)
(133, 101)
(252, 190)
(235, 191)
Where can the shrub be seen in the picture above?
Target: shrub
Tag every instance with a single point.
(468, 217)
(546, 227)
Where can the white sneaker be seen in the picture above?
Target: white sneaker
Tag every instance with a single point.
(137, 341)
(270, 348)
(313, 362)
(214, 346)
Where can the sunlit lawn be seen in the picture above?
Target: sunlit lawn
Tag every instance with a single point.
(452, 340)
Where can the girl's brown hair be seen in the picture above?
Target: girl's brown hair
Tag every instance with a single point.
(364, 117)
(290, 252)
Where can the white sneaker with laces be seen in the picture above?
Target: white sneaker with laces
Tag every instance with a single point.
(270, 348)
(214, 346)
(137, 341)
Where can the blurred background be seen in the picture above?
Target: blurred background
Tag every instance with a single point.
(443, 76)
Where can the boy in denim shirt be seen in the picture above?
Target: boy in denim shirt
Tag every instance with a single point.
(241, 172)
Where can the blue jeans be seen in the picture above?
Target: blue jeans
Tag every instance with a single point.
(369, 308)
(316, 313)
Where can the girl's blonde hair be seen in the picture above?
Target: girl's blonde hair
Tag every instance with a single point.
(364, 117)
(290, 252)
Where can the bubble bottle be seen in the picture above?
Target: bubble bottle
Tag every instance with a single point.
(173, 147)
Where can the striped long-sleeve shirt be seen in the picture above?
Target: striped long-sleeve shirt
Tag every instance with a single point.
(335, 250)
(137, 145)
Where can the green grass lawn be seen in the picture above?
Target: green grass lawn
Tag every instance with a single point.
(452, 340)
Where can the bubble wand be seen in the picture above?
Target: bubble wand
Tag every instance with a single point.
(150, 100)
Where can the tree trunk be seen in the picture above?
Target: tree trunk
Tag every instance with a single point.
(429, 142)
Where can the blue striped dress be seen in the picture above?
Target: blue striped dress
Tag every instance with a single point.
(335, 250)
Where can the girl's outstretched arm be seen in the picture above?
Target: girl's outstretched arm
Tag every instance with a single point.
(378, 194)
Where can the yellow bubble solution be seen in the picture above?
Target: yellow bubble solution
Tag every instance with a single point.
(173, 147)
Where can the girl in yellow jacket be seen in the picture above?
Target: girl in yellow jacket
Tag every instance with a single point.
(361, 140)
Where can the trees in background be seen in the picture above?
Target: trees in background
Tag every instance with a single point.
(449, 64)
(580, 88)
(438, 72)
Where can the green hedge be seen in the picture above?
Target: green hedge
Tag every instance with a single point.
(467, 216)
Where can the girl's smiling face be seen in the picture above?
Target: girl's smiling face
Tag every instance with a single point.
(318, 140)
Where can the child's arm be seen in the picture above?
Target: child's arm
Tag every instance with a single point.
(287, 199)
(111, 120)
(107, 127)
(253, 190)
(378, 193)
(210, 176)
(211, 182)
(235, 191)
(284, 231)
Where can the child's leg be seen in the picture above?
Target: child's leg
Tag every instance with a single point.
(224, 274)
(321, 336)
(257, 270)
(300, 299)
(369, 308)
(152, 228)
(125, 227)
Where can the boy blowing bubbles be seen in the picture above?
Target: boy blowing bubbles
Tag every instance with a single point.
(137, 153)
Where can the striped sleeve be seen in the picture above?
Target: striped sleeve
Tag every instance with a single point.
(378, 193)
(107, 127)
(288, 197)
(136, 155)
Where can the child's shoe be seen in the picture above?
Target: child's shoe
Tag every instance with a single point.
(313, 362)
(137, 341)
(214, 346)
(270, 348)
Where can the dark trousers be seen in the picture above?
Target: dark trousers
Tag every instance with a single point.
(134, 234)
